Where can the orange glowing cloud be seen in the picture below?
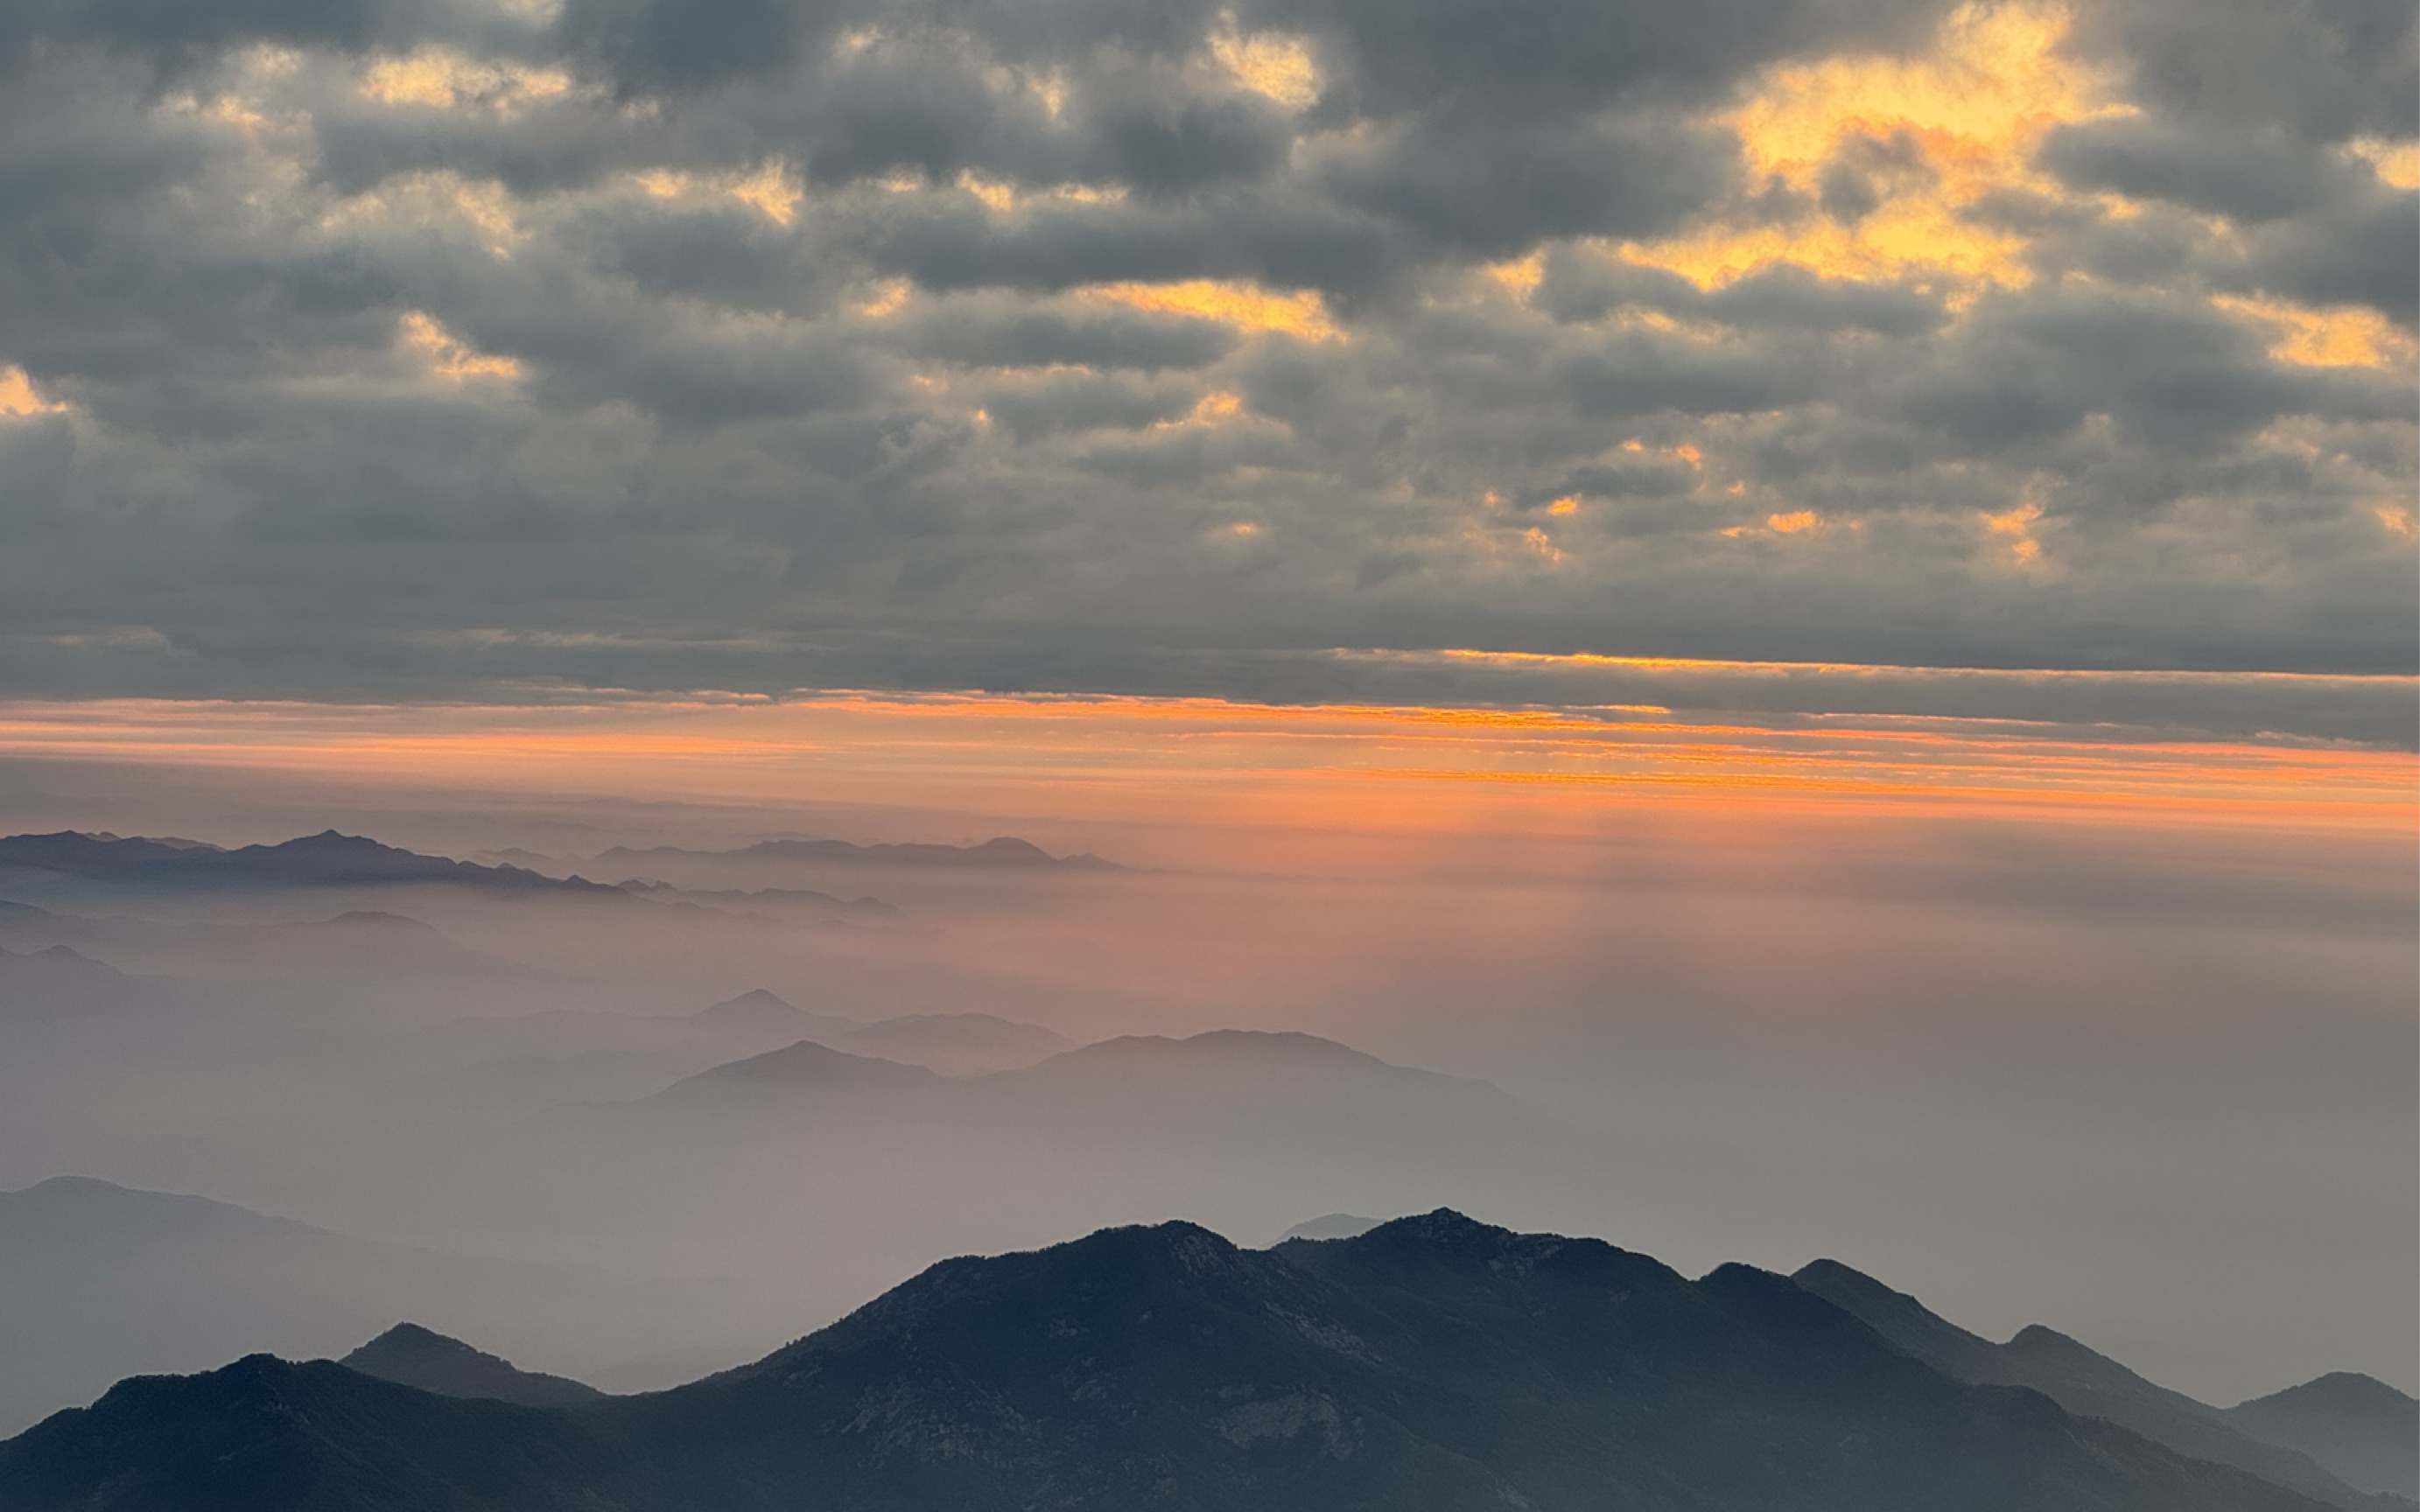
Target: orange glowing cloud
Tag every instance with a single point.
(446, 355)
(1932, 133)
(2343, 336)
(1302, 313)
(18, 395)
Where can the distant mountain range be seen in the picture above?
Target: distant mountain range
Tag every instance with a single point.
(954, 1044)
(1244, 1080)
(327, 859)
(1430, 1365)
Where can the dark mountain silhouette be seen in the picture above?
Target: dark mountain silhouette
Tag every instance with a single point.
(327, 859)
(1432, 1365)
(2083, 1381)
(411, 1355)
(1006, 851)
(2362, 1429)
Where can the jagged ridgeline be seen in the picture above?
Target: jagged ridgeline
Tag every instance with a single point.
(1428, 1365)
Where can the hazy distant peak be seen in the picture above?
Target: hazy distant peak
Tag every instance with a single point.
(2360, 1429)
(1273, 1045)
(2342, 1389)
(410, 1355)
(956, 1044)
(809, 1064)
(380, 919)
(759, 1011)
(754, 1000)
(126, 1217)
(1330, 1225)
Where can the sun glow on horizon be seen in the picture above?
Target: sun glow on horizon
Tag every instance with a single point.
(1351, 766)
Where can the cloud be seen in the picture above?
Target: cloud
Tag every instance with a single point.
(933, 341)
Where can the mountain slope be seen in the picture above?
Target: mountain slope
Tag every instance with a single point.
(2079, 1378)
(2362, 1430)
(1432, 1365)
(262, 1434)
(410, 1355)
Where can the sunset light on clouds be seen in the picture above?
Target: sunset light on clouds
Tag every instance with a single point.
(1821, 598)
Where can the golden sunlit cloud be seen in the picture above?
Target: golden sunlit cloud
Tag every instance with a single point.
(2341, 337)
(447, 356)
(425, 198)
(2399, 521)
(444, 79)
(1267, 64)
(888, 298)
(2015, 530)
(1001, 197)
(1249, 305)
(1929, 135)
(1215, 407)
(769, 189)
(18, 397)
(1520, 279)
(2395, 162)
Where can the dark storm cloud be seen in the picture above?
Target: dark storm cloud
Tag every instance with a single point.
(2317, 70)
(420, 348)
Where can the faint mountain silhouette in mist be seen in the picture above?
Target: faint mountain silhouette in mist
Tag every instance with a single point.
(2360, 1429)
(1330, 1225)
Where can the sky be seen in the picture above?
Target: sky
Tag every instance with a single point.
(481, 348)
(1856, 561)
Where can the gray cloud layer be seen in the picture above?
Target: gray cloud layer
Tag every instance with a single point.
(430, 348)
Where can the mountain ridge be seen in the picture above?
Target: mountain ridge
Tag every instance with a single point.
(2081, 1379)
(329, 858)
(1433, 1365)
